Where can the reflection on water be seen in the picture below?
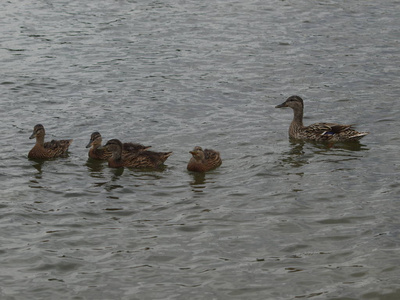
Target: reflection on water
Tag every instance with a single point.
(198, 182)
(112, 187)
(295, 156)
(350, 145)
(95, 167)
(326, 146)
(117, 172)
(38, 166)
(171, 83)
(298, 156)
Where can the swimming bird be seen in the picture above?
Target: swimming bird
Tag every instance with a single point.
(96, 153)
(143, 159)
(43, 150)
(203, 160)
(319, 131)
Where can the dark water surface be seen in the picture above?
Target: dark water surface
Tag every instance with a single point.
(278, 220)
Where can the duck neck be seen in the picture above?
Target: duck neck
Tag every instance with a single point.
(40, 140)
(199, 158)
(115, 160)
(96, 146)
(297, 122)
(117, 155)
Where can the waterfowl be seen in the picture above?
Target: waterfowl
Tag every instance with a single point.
(143, 159)
(203, 160)
(97, 153)
(319, 131)
(43, 150)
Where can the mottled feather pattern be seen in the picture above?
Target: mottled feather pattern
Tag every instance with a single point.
(140, 159)
(212, 156)
(57, 144)
(203, 160)
(96, 152)
(319, 131)
(45, 150)
(134, 147)
(40, 152)
(145, 159)
(328, 132)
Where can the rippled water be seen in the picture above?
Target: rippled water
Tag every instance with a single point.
(277, 220)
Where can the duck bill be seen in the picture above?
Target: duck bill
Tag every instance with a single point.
(281, 105)
(32, 136)
(89, 145)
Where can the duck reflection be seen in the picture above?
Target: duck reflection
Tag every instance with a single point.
(117, 173)
(298, 155)
(94, 166)
(97, 169)
(198, 183)
(355, 146)
(37, 164)
(35, 182)
(295, 156)
(112, 183)
(352, 146)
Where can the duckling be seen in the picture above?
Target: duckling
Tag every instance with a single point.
(203, 160)
(96, 153)
(43, 150)
(142, 159)
(319, 131)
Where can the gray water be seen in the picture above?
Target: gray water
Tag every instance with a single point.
(278, 220)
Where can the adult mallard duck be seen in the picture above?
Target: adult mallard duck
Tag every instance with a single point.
(203, 160)
(97, 153)
(43, 150)
(319, 131)
(143, 159)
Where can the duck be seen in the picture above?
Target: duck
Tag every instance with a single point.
(318, 132)
(52, 149)
(141, 160)
(203, 160)
(101, 154)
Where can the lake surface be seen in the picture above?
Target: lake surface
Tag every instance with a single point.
(278, 220)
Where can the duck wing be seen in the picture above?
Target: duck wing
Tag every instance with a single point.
(212, 158)
(332, 131)
(57, 147)
(134, 147)
(145, 159)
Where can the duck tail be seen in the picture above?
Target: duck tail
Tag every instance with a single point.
(358, 135)
(167, 154)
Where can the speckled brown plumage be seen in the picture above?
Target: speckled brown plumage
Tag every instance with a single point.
(319, 132)
(42, 150)
(142, 159)
(96, 152)
(203, 160)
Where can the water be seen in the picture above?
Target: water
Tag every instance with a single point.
(277, 220)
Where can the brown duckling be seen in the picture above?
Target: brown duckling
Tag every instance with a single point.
(203, 160)
(43, 150)
(142, 159)
(97, 153)
(319, 131)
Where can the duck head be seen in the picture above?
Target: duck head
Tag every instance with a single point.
(38, 131)
(294, 102)
(95, 139)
